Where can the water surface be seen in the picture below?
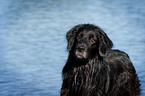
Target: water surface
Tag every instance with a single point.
(33, 46)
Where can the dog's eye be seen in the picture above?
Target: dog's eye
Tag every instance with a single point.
(93, 41)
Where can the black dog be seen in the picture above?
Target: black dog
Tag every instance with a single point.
(93, 69)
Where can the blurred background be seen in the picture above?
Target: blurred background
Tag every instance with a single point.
(33, 46)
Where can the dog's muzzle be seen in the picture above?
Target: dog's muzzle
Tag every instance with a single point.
(81, 52)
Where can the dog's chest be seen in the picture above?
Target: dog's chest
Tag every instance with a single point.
(83, 77)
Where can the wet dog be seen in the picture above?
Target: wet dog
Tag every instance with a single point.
(93, 68)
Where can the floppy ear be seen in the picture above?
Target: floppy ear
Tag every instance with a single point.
(105, 43)
(70, 36)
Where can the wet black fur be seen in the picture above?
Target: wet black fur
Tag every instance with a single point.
(101, 71)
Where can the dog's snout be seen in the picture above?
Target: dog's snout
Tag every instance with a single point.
(81, 48)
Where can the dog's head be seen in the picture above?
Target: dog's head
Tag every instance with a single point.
(88, 41)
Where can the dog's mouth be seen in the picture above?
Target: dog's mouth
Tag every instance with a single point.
(81, 54)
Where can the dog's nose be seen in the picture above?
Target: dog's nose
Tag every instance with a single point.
(81, 48)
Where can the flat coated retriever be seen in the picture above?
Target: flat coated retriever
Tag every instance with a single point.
(94, 69)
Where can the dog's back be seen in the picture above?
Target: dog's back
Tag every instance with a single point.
(122, 74)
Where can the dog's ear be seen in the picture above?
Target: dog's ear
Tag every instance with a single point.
(70, 36)
(105, 43)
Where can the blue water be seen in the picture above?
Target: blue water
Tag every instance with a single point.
(33, 46)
